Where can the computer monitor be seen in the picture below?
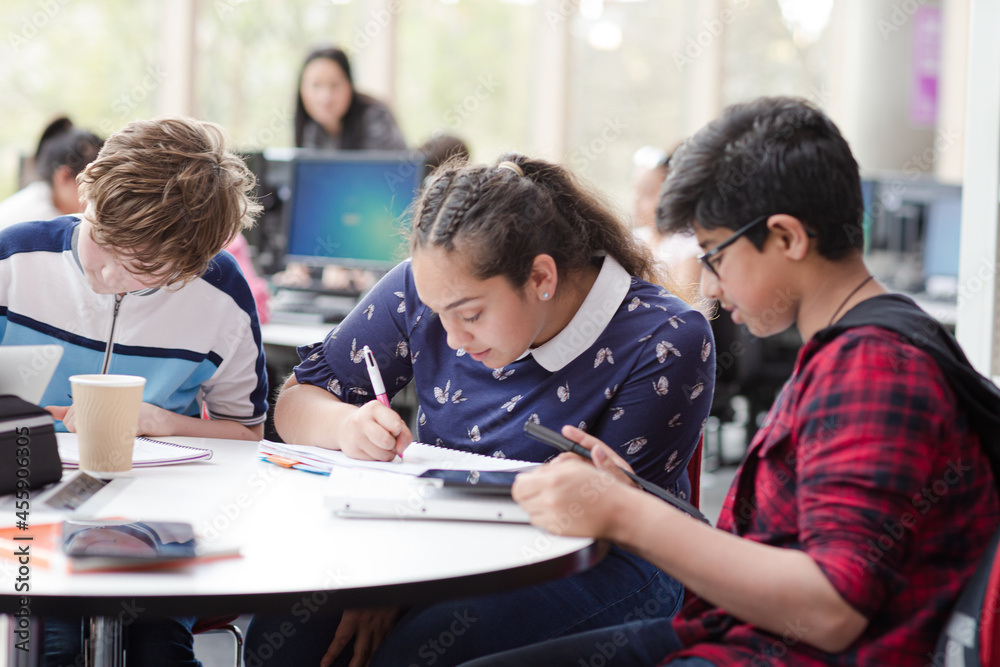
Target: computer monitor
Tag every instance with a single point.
(944, 230)
(349, 208)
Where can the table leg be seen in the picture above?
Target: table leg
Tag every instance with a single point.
(104, 646)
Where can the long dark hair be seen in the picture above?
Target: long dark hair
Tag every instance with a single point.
(352, 132)
(501, 220)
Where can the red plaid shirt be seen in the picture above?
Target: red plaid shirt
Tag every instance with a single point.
(866, 464)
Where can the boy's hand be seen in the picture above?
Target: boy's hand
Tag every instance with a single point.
(153, 420)
(374, 433)
(569, 496)
(604, 457)
(63, 413)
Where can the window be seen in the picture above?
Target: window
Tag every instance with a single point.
(96, 63)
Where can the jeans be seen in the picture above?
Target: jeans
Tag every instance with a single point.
(635, 643)
(153, 642)
(621, 588)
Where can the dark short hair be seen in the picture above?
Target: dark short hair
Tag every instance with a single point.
(768, 156)
(442, 148)
(56, 127)
(73, 148)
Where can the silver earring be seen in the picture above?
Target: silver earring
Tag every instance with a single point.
(545, 296)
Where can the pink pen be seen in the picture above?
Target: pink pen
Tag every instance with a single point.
(375, 376)
(376, 379)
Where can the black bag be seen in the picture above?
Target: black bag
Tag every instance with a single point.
(29, 456)
(979, 396)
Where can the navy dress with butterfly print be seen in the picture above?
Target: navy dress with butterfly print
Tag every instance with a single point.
(635, 368)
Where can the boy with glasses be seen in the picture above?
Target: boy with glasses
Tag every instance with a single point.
(869, 495)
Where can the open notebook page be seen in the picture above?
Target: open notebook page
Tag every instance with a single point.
(146, 452)
(417, 458)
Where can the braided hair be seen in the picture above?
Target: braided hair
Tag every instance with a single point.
(501, 220)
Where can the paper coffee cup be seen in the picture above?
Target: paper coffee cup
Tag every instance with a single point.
(107, 419)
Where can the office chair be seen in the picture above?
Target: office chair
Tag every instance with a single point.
(971, 637)
(220, 624)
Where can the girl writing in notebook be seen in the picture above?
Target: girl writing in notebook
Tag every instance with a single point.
(525, 299)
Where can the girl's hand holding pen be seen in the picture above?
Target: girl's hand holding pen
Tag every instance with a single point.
(375, 433)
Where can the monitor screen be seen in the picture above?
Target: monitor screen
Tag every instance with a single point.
(944, 231)
(349, 207)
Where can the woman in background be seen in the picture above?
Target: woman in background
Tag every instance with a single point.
(331, 114)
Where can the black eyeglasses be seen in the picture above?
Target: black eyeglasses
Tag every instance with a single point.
(706, 257)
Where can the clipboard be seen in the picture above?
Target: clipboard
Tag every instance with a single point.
(372, 494)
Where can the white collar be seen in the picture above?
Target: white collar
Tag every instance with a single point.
(591, 319)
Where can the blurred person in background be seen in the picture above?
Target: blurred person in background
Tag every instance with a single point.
(63, 152)
(441, 148)
(677, 251)
(331, 114)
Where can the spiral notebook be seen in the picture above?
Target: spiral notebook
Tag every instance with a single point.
(146, 453)
(417, 459)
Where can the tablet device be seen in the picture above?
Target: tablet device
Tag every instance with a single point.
(25, 370)
(492, 482)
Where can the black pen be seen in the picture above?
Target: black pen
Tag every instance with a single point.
(562, 443)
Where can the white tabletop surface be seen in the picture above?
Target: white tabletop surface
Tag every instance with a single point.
(287, 334)
(292, 548)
